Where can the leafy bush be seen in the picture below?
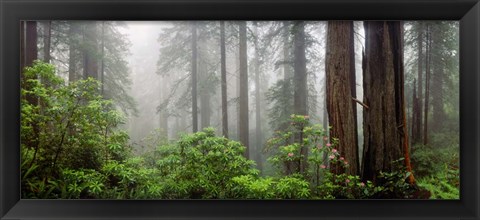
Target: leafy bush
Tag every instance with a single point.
(428, 160)
(201, 165)
(393, 184)
(289, 187)
(69, 127)
(343, 186)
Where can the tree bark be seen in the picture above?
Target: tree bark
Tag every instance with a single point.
(31, 51)
(418, 127)
(47, 38)
(427, 85)
(383, 83)
(194, 79)
(340, 64)
(300, 84)
(223, 70)
(243, 99)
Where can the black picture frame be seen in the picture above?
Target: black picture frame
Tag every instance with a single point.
(466, 11)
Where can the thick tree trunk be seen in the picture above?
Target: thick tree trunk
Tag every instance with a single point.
(194, 79)
(300, 84)
(383, 83)
(47, 38)
(339, 68)
(243, 99)
(223, 70)
(90, 53)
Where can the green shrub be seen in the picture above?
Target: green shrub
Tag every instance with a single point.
(64, 127)
(428, 160)
(201, 165)
(443, 185)
(289, 187)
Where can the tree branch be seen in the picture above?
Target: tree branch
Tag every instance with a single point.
(359, 102)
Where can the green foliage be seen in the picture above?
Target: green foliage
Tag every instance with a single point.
(393, 184)
(204, 165)
(345, 186)
(64, 127)
(437, 168)
(289, 187)
(443, 185)
(430, 160)
(71, 150)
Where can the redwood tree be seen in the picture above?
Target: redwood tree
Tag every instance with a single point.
(385, 132)
(300, 83)
(340, 64)
(243, 99)
(194, 79)
(223, 70)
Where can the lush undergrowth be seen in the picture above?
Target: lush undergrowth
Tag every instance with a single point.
(72, 149)
(437, 170)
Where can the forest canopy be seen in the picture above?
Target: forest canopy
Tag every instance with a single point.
(240, 110)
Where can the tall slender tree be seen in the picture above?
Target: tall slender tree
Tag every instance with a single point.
(194, 78)
(340, 64)
(439, 36)
(258, 122)
(427, 84)
(300, 84)
(102, 59)
(419, 101)
(243, 99)
(223, 70)
(204, 82)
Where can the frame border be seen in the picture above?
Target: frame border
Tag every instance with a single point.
(467, 11)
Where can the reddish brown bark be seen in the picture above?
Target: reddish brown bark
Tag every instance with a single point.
(340, 73)
(384, 121)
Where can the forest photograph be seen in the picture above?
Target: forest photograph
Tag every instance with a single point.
(310, 110)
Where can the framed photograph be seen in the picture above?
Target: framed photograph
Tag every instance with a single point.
(239, 109)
